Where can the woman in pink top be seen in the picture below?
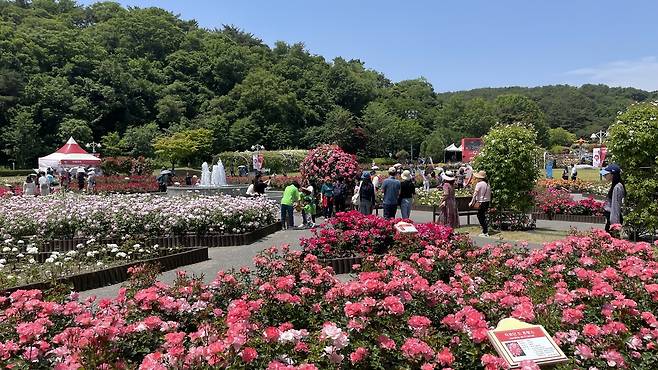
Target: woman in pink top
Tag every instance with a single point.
(481, 200)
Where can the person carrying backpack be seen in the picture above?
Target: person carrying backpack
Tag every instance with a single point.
(327, 198)
(340, 194)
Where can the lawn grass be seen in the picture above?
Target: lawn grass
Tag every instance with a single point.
(585, 174)
(538, 235)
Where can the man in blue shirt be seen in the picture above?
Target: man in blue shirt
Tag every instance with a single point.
(391, 189)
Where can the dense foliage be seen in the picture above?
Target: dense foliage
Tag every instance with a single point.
(124, 76)
(509, 155)
(632, 143)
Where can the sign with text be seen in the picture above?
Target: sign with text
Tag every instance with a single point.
(517, 341)
(598, 156)
(405, 227)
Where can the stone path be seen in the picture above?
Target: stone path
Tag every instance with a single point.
(226, 258)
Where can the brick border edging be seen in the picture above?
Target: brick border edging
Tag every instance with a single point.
(119, 274)
(188, 240)
(569, 218)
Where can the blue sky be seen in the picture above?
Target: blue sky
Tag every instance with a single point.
(458, 44)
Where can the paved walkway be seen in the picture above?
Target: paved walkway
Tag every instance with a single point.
(225, 258)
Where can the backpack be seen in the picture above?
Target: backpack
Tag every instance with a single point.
(339, 190)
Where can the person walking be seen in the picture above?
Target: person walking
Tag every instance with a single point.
(327, 198)
(29, 187)
(481, 200)
(80, 176)
(448, 213)
(308, 209)
(391, 188)
(91, 181)
(44, 186)
(290, 197)
(366, 194)
(565, 173)
(615, 198)
(407, 191)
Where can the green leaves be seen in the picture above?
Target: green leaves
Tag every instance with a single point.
(632, 143)
(509, 156)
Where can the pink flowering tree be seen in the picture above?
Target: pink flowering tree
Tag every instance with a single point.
(328, 161)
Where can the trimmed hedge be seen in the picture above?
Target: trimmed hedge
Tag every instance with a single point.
(12, 173)
(279, 161)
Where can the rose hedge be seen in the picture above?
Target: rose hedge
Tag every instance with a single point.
(328, 161)
(559, 201)
(598, 296)
(115, 215)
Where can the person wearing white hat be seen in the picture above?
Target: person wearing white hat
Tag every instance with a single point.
(448, 213)
(481, 200)
(80, 176)
(391, 189)
(91, 181)
(407, 191)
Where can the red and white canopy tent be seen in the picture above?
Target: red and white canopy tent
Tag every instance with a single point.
(70, 155)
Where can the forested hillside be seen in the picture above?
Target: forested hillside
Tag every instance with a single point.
(126, 76)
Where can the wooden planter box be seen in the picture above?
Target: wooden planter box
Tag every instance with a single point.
(569, 218)
(118, 274)
(189, 240)
(342, 265)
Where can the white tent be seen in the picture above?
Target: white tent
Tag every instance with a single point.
(453, 148)
(70, 155)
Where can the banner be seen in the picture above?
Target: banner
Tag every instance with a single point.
(598, 156)
(257, 159)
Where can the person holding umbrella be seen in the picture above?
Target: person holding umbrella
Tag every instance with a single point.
(163, 180)
(80, 176)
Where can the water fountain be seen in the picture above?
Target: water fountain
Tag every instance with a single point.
(212, 183)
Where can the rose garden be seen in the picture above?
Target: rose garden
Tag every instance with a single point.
(178, 196)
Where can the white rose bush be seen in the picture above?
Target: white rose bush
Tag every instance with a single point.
(127, 216)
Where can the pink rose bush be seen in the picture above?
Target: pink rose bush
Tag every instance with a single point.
(559, 201)
(328, 161)
(597, 296)
(353, 234)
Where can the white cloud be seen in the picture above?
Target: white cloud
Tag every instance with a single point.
(642, 73)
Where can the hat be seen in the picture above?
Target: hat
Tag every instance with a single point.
(392, 169)
(365, 175)
(374, 167)
(406, 175)
(81, 170)
(448, 176)
(309, 188)
(480, 175)
(612, 168)
(397, 165)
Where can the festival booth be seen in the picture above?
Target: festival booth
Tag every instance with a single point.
(68, 156)
(452, 154)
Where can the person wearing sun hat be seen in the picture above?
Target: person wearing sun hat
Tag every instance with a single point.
(448, 214)
(615, 199)
(407, 191)
(481, 200)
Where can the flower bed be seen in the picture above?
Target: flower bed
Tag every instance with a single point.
(22, 263)
(554, 201)
(597, 296)
(433, 197)
(577, 186)
(144, 215)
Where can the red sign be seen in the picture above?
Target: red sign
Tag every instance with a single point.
(470, 148)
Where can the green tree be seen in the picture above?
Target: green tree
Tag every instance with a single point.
(244, 133)
(512, 109)
(138, 140)
(434, 144)
(76, 128)
(21, 140)
(510, 157)
(561, 137)
(184, 146)
(111, 144)
(632, 143)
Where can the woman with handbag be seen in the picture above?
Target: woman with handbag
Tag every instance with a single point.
(448, 212)
(481, 200)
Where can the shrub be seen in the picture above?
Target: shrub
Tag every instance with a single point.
(509, 155)
(277, 161)
(328, 161)
(632, 143)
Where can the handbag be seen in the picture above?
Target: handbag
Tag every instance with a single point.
(476, 205)
(356, 198)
